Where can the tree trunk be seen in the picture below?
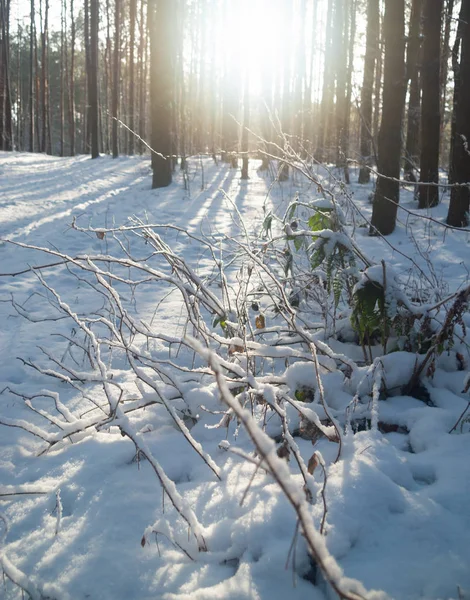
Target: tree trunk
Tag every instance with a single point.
(93, 79)
(328, 84)
(63, 35)
(143, 76)
(412, 74)
(246, 124)
(161, 88)
(116, 75)
(6, 130)
(372, 49)
(445, 52)
(387, 192)
(72, 82)
(132, 16)
(458, 215)
(430, 104)
(347, 106)
(32, 34)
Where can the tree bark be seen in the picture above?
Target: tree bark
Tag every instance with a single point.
(6, 129)
(459, 206)
(370, 59)
(93, 79)
(132, 17)
(246, 124)
(161, 88)
(32, 34)
(116, 75)
(72, 82)
(430, 104)
(387, 192)
(412, 73)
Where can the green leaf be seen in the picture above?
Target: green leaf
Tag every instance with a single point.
(298, 242)
(337, 288)
(291, 212)
(319, 221)
(318, 257)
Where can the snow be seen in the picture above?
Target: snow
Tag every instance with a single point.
(89, 519)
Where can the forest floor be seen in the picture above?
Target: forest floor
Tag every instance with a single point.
(398, 515)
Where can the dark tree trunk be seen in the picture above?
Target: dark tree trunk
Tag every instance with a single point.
(32, 34)
(116, 75)
(72, 82)
(347, 105)
(63, 36)
(161, 88)
(387, 192)
(372, 49)
(132, 16)
(93, 79)
(445, 52)
(246, 124)
(44, 82)
(6, 130)
(414, 102)
(458, 215)
(86, 111)
(430, 104)
(328, 85)
(376, 111)
(143, 46)
(341, 52)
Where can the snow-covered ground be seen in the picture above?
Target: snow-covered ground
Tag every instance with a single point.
(398, 516)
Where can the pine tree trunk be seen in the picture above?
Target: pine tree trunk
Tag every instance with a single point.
(430, 104)
(161, 88)
(143, 76)
(93, 79)
(6, 129)
(412, 73)
(72, 82)
(132, 17)
(246, 124)
(445, 52)
(63, 8)
(459, 207)
(372, 49)
(387, 192)
(116, 75)
(31, 79)
(347, 106)
(328, 85)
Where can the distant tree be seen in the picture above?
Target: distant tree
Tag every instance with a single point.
(142, 62)
(430, 103)
(341, 54)
(46, 139)
(160, 18)
(370, 59)
(72, 81)
(32, 35)
(116, 77)
(445, 53)
(414, 102)
(246, 124)
(63, 52)
(328, 87)
(132, 19)
(93, 78)
(345, 133)
(6, 131)
(459, 206)
(387, 191)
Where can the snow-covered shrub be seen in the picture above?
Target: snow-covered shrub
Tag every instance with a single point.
(258, 371)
